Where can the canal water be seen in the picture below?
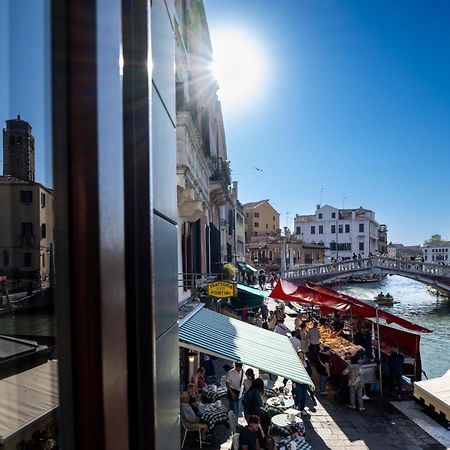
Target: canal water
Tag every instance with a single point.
(415, 303)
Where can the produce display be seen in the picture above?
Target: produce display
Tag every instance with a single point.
(337, 344)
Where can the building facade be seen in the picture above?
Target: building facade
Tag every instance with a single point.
(382, 239)
(268, 251)
(26, 210)
(344, 231)
(207, 204)
(261, 219)
(437, 253)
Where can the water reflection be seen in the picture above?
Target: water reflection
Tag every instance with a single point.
(415, 303)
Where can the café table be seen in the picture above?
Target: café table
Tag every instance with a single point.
(282, 404)
(211, 395)
(213, 414)
(301, 444)
(283, 423)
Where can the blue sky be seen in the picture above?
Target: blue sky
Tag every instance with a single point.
(356, 101)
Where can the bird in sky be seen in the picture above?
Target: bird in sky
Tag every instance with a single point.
(259, 170)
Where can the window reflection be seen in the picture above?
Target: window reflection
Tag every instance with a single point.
(28, 368)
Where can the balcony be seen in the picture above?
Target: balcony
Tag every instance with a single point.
(219, 181)
(26, 241)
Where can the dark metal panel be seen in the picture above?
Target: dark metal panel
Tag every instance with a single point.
(163, 54)
(88, 232)
(168, 398)
(165, 274)
(138, 210)
(164, 161)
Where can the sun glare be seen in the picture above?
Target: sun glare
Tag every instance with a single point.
(238, 67)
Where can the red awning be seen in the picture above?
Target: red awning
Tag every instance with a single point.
(366, 310)
(284, 290)
(329, 300)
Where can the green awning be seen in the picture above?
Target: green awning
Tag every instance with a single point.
(222, 336)
(251, 290)
(247, 267)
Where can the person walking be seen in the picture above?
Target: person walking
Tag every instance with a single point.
(355, 383)
(234, 382)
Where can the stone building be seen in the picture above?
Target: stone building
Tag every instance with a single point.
(261, 219)
(208, 207)
(26, 209)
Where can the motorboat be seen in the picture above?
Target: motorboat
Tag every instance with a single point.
(386, 300)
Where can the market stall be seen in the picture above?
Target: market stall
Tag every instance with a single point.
(362, 316)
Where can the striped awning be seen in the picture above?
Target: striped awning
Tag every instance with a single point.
(218, 335)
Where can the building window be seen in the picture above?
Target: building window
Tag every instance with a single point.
(267, 226)
(27, 229)
(273, 227)
(341, 228)
(255, 214)
(27, 259)
(333, 246)
(42, 200)
(297, 231)
(361, 228)
(361, 246)
(333, 229)
(256, 225)
(347, 228)
(5, 258)
(333, 215)
(313, 229)
(43, 231)
(43, 259)
(255, 233)
(273, 218)
(26, 196)
(276, 249)
(320, 229)
(320, 215)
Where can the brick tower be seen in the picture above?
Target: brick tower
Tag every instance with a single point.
(18, 149)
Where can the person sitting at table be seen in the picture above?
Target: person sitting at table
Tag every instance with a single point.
(194, 397)
(248, 438)
(190, 420)
(199, 378)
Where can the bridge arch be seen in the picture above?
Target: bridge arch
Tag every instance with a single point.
(435, 275)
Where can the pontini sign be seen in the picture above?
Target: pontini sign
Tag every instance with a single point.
(222, 289)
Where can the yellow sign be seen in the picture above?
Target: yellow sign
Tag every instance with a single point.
(222, 289)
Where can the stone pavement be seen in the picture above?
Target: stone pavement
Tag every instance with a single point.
(379, 427)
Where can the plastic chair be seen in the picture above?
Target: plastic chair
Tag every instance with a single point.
(187, 430)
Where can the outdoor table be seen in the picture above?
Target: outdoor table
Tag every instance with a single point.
(282, 424)
(285, 444)
(212, 396)
(283, 404)
(213, 415)
(268, 392)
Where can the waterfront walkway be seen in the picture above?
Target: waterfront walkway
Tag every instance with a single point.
(379, 427)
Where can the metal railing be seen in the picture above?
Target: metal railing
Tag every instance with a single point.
(376, 262)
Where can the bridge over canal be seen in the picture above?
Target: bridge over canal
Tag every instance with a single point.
(435, 275)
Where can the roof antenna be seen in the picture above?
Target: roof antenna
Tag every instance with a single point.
(343, 202)
(321, 194)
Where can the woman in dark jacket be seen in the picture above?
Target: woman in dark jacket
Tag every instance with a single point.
(254, 405)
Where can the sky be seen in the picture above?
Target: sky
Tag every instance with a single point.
(354, 99)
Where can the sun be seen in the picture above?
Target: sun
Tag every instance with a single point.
(238, 66)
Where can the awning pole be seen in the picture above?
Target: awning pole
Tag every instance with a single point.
(379, 351)
(351, 321)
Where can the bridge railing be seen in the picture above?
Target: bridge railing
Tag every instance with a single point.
(379, 262)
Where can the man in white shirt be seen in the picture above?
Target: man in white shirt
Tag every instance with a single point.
(314, 342)
(234, 382)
